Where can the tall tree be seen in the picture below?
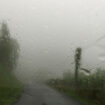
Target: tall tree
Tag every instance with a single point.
(77, 63)
(9, 48)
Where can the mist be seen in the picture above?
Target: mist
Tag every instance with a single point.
(49, 31)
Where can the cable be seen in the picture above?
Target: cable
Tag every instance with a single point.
(94, 67)
(95, 42)
(91, 45)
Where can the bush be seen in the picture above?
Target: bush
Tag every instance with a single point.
(10, 88)
(91, 88)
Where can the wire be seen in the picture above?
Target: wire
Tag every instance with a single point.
(91, 45)
(95, 42)
(94, 67)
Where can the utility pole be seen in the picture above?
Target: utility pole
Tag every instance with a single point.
(77, 57)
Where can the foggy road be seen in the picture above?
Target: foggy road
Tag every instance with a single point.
(40, 94)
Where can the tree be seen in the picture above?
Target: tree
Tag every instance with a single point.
(9, 48)
(77, 63)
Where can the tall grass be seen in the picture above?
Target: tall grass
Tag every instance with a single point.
(10, 87)
(90, 88)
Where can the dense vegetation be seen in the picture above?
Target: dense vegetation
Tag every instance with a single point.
(10, 87)
(9, 48)
(90, 90)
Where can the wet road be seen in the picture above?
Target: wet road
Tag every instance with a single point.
(40, 94)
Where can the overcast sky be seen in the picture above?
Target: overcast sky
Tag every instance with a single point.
(50, 30)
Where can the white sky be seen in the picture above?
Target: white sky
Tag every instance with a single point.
(49, 31)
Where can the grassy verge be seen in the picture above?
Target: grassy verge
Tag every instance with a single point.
(90, 89)
(10, 88)
(73, 94)
(8, 96)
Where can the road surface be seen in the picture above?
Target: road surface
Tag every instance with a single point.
(40, 94)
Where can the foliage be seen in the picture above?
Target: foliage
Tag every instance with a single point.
(91, 89)
(78, 53)
(8, 96)
(10, 87)
(9, 48)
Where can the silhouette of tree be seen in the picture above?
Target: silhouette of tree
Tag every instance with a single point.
(9, 48)
(77, 63)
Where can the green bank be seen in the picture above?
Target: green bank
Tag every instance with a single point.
(10, 88)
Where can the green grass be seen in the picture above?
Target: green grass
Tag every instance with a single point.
(90, 90)
(10, 88)
(8, 96)
(74, 95)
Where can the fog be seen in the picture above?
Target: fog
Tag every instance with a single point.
(49, 31)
